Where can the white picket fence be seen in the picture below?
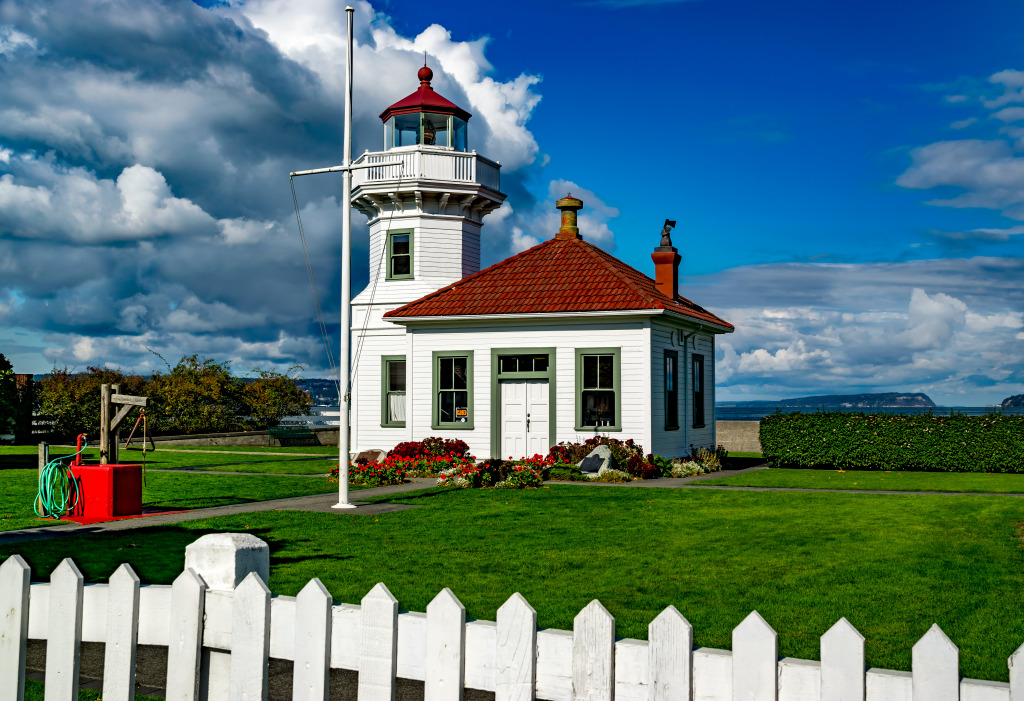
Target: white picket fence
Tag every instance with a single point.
(509, 657)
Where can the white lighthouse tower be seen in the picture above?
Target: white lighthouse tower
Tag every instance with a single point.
(425, 217)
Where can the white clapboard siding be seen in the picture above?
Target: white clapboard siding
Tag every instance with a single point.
(509, 656)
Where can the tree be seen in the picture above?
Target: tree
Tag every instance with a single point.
(272, 396)
(8, 396)
(197, 396)
(71, 401)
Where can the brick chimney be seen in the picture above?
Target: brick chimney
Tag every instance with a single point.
(569, 206)
(666, 264)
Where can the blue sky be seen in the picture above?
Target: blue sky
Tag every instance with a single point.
(847, 177)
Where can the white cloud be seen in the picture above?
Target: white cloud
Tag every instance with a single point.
(951, 328)
(932, 320)
(74, 203)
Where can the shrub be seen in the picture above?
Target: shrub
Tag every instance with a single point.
(465, 476)
(431, 466)
(610, 475)
(711, 459)
(567, 473)
(430, 447)
(955, 443)
(688, 468)
(627, 456)
(521, 477)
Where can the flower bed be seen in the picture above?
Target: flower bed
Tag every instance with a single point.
(375, 474)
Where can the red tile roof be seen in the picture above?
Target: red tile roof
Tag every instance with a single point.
(558, 275)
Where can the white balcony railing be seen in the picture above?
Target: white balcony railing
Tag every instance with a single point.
(423, 164)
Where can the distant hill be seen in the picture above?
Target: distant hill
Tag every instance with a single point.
(1014, 402)
(877, 400)
(321, 391)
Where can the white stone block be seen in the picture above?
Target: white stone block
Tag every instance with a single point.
(223, 560)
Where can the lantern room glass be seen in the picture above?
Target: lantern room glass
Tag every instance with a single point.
(427, 129)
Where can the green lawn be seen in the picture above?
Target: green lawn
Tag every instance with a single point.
(864, 479)
(893, 565)
(163, 490)
(34, 692)
(297, 463)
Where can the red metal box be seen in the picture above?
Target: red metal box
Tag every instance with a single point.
(105, 491)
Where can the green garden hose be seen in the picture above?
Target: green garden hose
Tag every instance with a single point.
(57, 491)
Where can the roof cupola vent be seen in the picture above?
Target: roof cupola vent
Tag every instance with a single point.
(569, 206)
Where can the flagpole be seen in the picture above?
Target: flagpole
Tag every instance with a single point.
(344, 361)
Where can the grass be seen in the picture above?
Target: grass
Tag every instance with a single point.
(893, 565)
(34, 692)
(163, 490)
(891, 481)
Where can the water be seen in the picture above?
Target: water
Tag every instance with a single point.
(746, 413)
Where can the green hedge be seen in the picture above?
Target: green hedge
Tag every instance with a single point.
(957, 443)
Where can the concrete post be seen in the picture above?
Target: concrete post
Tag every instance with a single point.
(223, 560)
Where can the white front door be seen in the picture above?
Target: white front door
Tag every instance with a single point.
(524, 418)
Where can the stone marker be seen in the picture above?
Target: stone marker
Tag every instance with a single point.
(600, 458)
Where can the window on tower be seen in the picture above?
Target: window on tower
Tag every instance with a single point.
(399, 255)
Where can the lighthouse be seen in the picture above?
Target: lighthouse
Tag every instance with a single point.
(426, 205)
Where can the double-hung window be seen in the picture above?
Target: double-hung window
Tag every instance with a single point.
(698, 391)
(399, 255)
(392, 391)
(453, 389)
(598, 395)
(671, 391)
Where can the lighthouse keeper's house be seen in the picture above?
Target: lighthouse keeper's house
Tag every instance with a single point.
(557, 343)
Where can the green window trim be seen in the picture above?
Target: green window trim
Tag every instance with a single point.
(671, 391)
(616, 354)
(435, 402)
(385, 390)
(390, 255)
(497, 376)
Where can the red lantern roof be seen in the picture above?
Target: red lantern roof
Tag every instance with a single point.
(424, 100)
